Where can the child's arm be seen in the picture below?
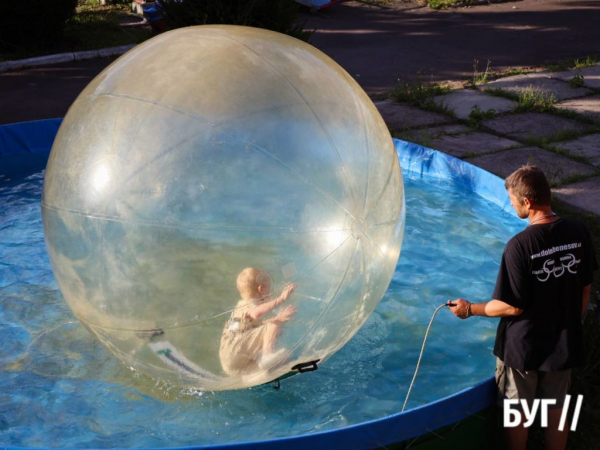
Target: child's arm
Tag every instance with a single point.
(259, 311)
(285, 315)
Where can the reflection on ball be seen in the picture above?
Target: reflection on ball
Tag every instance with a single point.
(204, 152)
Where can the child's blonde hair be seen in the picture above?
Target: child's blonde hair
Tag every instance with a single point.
(249, 280)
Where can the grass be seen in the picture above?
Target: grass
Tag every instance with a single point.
(420, 93)
(586, 381)
(93, 27)
(558, 136)
(569, 114)
(589, 61)
(570, 64)
(498, 92)
(513, 72)
(98, 26)
(529, 99)
(477, 115)
(553, 147)
(479, 77)
(443, 4)
(574, 179)
(489, 74)
(577, 81)
(573, 115)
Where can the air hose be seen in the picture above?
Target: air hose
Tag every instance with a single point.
(422, 350)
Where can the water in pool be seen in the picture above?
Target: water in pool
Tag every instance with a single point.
(60, 388)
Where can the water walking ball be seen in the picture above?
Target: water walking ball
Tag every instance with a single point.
(209, 152)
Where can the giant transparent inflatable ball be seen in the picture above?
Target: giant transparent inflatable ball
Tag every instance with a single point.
(222, 204)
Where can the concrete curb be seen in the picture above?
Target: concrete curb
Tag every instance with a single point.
(64, 57)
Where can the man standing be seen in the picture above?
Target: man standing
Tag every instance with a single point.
(541, 294)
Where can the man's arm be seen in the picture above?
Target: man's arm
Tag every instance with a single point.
(494, 308)
(586, 299)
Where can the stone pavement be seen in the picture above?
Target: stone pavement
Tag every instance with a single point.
(491, 126)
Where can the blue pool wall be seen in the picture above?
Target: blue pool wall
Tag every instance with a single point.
(36, 138)
(28, 137)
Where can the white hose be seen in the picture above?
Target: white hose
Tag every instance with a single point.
(421, 355)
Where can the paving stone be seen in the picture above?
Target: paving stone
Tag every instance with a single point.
(539, 82)
(591, 76)
(399, 116)
(425, 136)
(587, 146)
(462, 145)
(588, 106)
(532, 124)
(584, 195)
(462, 102)
(556, 167)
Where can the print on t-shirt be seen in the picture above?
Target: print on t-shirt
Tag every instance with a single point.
(551, 267)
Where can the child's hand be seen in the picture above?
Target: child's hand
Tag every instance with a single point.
(287, 291)
(286, 314)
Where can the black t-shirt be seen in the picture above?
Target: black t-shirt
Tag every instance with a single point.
(543, 271)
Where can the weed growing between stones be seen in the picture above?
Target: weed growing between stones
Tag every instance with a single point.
(576, 81)
(573, 115)
(565, 152)
(530, 99)
(421, 93)
(569, 64)
(479, 77)
(498, 92)
(589, 61)
(477, 115)
(444, 4)
(543, 142)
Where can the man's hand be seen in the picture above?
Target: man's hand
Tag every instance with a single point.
(460, 308)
